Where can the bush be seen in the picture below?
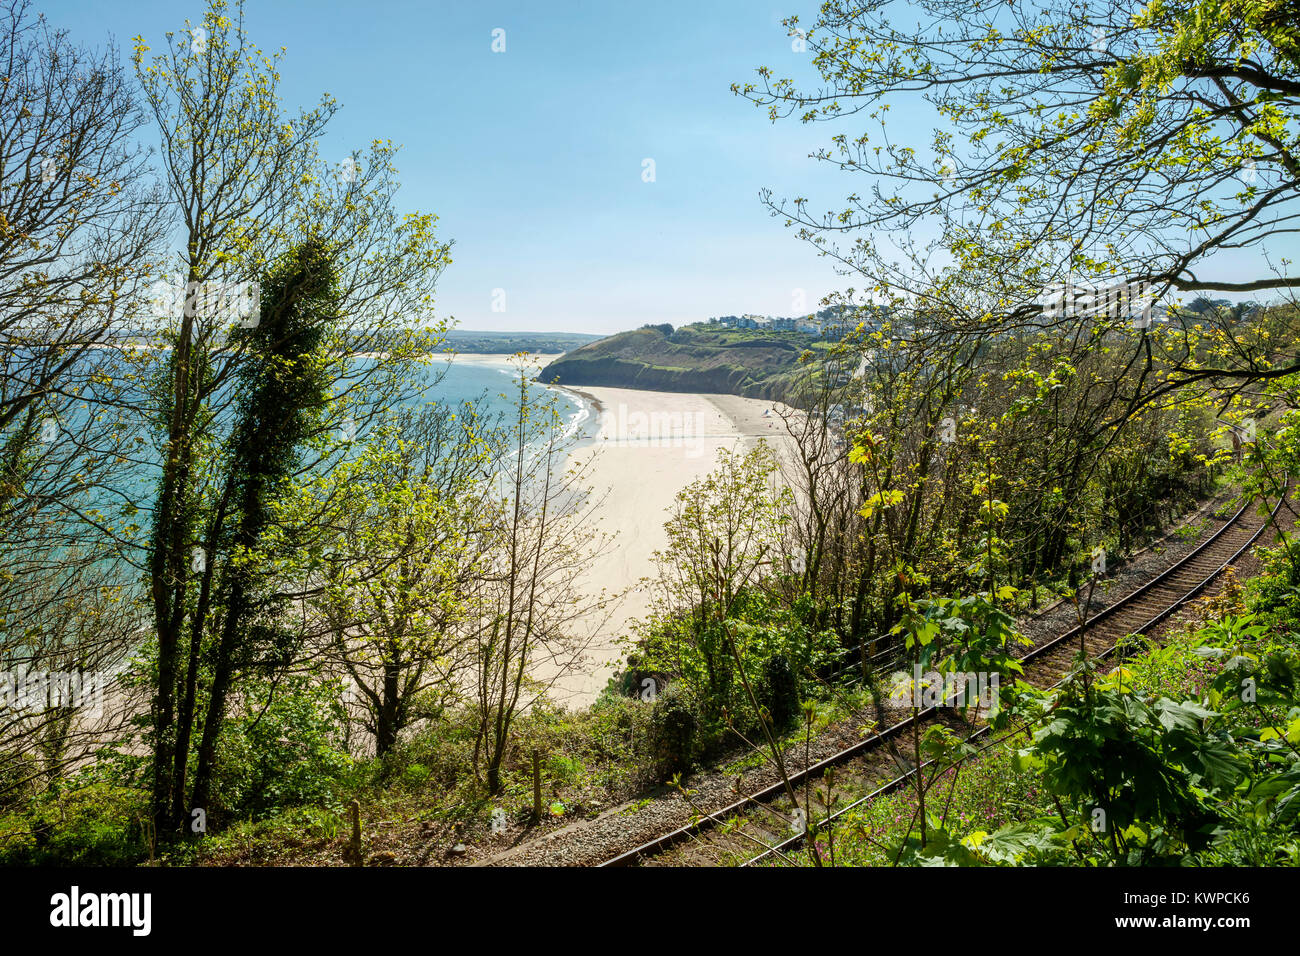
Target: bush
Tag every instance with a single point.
(780, 691)
(1275, 593)
(699, 655)
(280, 752)
(414, 776)
(672, 731)
(442, 752)
(79, 823)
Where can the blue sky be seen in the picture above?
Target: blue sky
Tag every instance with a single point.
(532, 158)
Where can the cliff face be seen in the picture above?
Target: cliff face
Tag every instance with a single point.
(692, 359)
(622, 373)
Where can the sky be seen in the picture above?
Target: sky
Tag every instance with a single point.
(534, 158)
(537, 157)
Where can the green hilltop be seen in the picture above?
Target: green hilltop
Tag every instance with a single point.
(704, 357)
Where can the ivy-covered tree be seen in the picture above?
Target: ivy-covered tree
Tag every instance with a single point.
(248, 192)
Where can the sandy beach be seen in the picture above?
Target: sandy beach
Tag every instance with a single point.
(642, 449)
(647, 447)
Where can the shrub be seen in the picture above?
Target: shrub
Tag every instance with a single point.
(79, 823)
(673, 725)
(699, 655)
(442, 751)
(282, 751)
(780, 691)
(414, 776)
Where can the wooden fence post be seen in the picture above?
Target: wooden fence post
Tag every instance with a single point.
(353, 852)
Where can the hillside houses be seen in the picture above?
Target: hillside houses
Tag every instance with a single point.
(819, 325)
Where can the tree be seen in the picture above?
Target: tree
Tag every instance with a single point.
(284, 391)
(525, 612)
(63, 639)
(825, 513)
(412, 512)
(79, 234)
(248, 190)
(1083, 153)
(725, 532)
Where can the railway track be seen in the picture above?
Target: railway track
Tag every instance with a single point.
(875, 766)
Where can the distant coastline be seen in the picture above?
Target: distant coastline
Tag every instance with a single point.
(695, 359)
(469, 342)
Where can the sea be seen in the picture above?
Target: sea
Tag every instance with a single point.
(496, 384)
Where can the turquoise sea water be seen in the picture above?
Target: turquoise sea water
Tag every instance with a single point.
(496, 384)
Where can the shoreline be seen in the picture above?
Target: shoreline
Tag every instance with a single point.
(586, 396)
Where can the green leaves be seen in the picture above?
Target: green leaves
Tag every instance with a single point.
(881, 499)
(1172, 778)
(1017, 843)
(964, 635)
(1188, 715)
